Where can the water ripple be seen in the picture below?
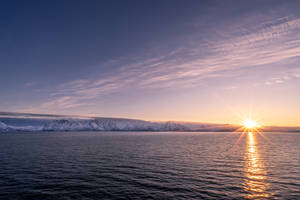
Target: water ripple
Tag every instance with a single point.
(131, 165)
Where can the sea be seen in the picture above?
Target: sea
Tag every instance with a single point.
(149, 165)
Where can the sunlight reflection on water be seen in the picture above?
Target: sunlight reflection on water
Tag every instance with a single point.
(149, 165)
(255, 174)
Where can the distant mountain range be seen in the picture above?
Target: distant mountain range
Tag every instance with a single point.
(13, 122)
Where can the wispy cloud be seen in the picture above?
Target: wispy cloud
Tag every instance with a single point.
(268, 42)
(29, 84)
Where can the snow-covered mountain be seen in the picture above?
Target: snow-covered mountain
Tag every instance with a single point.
(109, 124)
(3, 127)
(10, 122)
(31, 122)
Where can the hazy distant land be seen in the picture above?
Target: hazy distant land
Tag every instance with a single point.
(45, 122)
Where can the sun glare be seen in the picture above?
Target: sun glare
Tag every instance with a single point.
(250, 124)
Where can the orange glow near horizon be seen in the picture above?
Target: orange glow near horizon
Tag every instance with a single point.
(250, 124)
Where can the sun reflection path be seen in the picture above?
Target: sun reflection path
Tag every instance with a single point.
(255, 181)
(254, 171)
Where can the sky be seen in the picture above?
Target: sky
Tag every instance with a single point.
(203, 61)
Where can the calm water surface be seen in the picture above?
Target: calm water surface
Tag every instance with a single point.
(149, 165)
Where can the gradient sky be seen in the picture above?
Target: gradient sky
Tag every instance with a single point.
(206, 61)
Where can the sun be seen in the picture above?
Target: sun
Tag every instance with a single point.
(248, 123)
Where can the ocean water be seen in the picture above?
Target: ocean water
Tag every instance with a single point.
(149, 165)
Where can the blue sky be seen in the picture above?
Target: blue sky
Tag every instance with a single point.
(213, 61)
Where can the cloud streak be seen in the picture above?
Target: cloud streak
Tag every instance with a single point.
(262, 44)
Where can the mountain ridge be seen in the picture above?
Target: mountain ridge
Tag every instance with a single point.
(10, 122)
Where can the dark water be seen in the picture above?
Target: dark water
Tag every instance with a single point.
(128, 165)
